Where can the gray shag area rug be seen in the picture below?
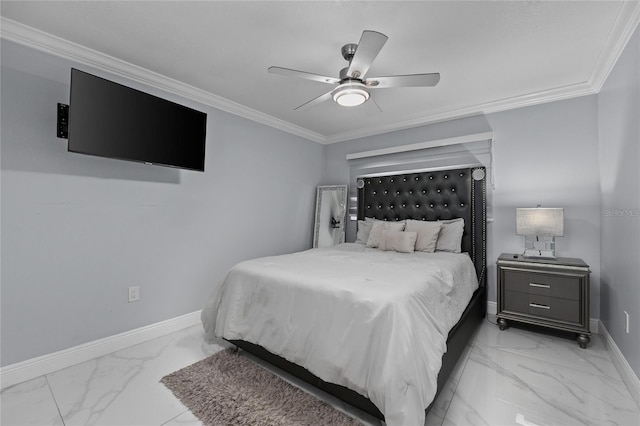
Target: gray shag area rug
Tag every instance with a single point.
(230, 389)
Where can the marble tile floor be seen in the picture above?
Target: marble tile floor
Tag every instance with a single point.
(512, 377)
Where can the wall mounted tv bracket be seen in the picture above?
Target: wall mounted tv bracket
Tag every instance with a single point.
(63, 121)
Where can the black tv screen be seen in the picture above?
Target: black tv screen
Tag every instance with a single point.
(108, 119)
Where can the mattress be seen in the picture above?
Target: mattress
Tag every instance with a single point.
(373, 321)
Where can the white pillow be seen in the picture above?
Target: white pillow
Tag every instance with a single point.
(450, 238)
(364, 228)
(403, 242)
(428, 232)
(372, 220)
(375, 236)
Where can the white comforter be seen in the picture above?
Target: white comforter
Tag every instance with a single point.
(373, 321)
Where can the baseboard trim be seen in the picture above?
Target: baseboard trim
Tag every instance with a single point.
(628, 375)
(45, 364)
(492, 308)
(594, 323)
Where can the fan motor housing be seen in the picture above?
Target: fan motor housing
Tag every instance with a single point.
(348, 50)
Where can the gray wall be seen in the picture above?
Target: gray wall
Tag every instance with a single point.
(546, 154)
(619, 128)
(77, 231)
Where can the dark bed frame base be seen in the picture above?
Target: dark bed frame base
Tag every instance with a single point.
(430, 195)
(458, 338)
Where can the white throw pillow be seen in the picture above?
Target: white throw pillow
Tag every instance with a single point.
(403, 242)
(364, 228)
(375, 236)
(372, 220)
(450, 238)
(427, 231)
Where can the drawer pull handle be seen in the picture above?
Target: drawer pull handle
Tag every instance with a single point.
(535, 305)
(539, 285)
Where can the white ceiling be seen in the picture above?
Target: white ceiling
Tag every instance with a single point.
(491, 55)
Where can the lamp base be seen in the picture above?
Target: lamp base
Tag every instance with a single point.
(539, 246)
(539, 254)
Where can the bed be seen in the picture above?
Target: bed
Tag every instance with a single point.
(366, 325)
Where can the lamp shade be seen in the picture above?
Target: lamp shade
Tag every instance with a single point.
(540, 221)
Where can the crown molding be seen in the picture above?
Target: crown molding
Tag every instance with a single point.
(558, 94)
(627, 20)
(626, 23)
(39, 40)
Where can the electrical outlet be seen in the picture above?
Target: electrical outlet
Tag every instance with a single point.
(134, 294)
(626, 314)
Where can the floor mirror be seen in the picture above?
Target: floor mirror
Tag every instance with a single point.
(331, 203)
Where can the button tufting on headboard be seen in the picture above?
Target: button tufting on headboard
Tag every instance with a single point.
(434, 195)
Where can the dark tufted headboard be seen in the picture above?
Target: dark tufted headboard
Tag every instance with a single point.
(432, 195)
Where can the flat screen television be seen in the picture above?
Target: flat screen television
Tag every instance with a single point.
(108, 119)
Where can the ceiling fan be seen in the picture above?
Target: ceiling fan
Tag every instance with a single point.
(352, 86)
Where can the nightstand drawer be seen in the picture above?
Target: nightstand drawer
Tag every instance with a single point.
(551, 293)
(542, 284)
(542, 306)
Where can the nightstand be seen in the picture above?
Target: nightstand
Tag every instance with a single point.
(552, 293)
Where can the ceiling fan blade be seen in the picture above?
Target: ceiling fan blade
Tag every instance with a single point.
(315, 101)
(411, 80)
(302, 74)
(369, 46)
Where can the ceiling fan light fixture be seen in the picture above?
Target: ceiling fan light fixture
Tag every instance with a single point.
(351, 94)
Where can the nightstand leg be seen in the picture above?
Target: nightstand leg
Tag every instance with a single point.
(502, 323)
(583, 340)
